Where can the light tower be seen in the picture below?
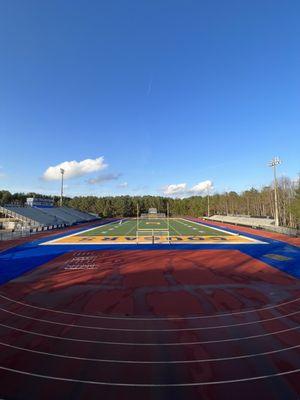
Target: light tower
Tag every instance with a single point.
(62, 171)
(273, 163)
(208, 205)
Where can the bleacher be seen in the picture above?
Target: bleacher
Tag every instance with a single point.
(244, 220)
(79, 214)
(58, 212)
(41, 216)
(32, 216)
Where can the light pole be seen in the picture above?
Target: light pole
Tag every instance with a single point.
(62, 171)
(137, 216)
(273, 163)
(208, 210)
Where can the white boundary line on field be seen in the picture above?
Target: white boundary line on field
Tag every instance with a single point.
(106, 242)
(224, 231)
(133, 242)
(78, 233)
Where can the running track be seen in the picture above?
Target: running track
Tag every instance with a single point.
(209, 322)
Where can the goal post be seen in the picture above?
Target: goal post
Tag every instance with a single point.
(152, 236)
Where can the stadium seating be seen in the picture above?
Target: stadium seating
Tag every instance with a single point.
(57, 212)
(243, 220)
(37, 216)
(81, 215)
(48, 216)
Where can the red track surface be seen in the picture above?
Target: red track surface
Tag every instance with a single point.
(217, 319)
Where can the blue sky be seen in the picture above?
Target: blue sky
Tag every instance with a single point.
(150, 93)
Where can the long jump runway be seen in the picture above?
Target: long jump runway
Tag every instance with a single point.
(166, 323)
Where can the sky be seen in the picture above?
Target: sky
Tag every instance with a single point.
(148, 97)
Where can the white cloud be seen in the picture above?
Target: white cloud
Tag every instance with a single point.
(202, 187)
(179, 188)
(182, 189)
(123, 185)
(103, 178)
(74, 169)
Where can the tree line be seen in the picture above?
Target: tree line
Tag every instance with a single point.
(253, 202)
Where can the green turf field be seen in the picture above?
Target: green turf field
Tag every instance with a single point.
(176, 227)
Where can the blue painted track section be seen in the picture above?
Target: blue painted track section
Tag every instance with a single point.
(23, 258)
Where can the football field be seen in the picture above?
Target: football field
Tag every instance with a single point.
(155, 230)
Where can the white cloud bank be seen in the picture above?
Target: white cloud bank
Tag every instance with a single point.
(181, 189)
(74, 169)
(171, 190)
(202, 187)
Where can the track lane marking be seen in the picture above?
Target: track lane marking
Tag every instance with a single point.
(150, 330)
(251, 355)
(151, 319)
(252, 378)
(150, 344)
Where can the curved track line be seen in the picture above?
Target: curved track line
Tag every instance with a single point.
(149, 344)
(253, 378)
(150, 362)
(150, 319)
(149, 330)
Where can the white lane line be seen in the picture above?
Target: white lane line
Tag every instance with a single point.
(237, 339)
(251, 355)
(204, 328)
(253, 378)
(269, 307)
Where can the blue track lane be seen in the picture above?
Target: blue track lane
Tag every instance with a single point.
(21, 259)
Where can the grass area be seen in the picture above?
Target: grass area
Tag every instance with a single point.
(177, 227)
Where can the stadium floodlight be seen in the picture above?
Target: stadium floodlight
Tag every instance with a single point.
(273, 163)
(62, 171)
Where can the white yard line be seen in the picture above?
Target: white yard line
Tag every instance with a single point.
(134, 226)
(179, 234)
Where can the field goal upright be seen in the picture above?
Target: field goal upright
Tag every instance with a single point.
(152, 236)
(152, 227)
